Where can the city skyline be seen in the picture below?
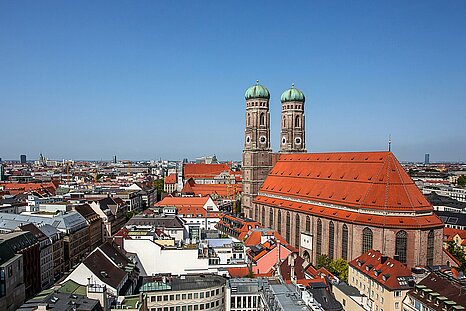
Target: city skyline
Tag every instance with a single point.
(166, 80)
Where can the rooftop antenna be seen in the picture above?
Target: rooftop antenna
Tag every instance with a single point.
(390, 142)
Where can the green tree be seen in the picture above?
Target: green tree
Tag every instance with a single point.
(458, 253)
(338, 267)
(461, 181)
(158, 184)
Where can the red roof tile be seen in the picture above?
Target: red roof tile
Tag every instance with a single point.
(191, 170)
(328, 183)
(170, 179)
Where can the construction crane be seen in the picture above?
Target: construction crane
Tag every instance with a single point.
(129, 166)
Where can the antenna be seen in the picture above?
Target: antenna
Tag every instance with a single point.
(390, 142)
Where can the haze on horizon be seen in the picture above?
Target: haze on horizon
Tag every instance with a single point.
(150, 80)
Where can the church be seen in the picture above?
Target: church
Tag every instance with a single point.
(339, 204)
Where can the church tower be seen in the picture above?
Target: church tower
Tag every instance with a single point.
(257, 154)
(292, 135)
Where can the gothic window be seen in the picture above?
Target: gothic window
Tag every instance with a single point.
(256, 216)
(284, 121)
(288, 227)
(401, 245)
(296, 121)
(271, 218)
(344, 242)
(331, 239)
(298, 232)
(249, 119)
(263, 216)
(279, 222)
(319, 238)
(366, 239)
(308, 224)
(430, 248)
(262, 119)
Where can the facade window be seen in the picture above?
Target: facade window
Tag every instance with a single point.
(331, 239)
(271, 218)
(430, 248)
(279, 222)
(263, 216)
(366, 239)
(319, 238)
(262, 119)
(249, 119)
(284, 121)
(288, 227)
(296, 121)
(308, 224)
(344, 242)
(257, 213)
(401, 245)
(298, 232)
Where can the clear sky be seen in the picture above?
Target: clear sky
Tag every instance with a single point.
(166, 79)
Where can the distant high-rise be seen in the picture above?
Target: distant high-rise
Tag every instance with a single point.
(2, 173)
(427, 158)
(22, 158)
(114, 159)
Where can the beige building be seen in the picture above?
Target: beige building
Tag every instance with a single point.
(185, 293)
(383, 280)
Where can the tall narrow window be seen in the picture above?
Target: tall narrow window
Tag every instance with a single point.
(308, 224)
(344, 242)
(366, 239)
(249, 119)
(319, 239)
(263, 216)
(256, 216)
(331, 239)
(262, 119)
(297, 234)
(430, 248)
(401, 245)
(284, 121)
(288, 227)
(296, 121)
(271, 218)
(279, 222)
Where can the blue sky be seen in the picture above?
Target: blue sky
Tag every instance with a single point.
(166, 79)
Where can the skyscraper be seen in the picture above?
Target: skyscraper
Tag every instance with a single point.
(22, 158)
(427, 158)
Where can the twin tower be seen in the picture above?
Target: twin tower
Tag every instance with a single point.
(257, 153)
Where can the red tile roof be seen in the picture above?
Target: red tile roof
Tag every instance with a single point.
(191, 170)
(238, 272)
(449, 233)
(183, 201)
(170, 179)
(387, 271)
(222, 190)
(333, 182)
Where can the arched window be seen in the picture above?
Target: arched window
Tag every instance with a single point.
(262, 119)
(284, 121)
(279, 222)
(430, 248)
(306, 256)
(271, 218)
(344, 242)
(263, 216)
(366, 239)
(287, 227)
(249, 119)
(331, 239)
(319, 239)
(296, 121)
(308, 224)
(297, 235)
(401, 245)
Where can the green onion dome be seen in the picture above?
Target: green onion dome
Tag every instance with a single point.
(293, 94)
(257, 91)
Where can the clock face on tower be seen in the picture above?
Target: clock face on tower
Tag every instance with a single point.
(298, 140)
(263, 139)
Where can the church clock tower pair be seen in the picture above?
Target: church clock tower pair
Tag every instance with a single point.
(257, 153)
